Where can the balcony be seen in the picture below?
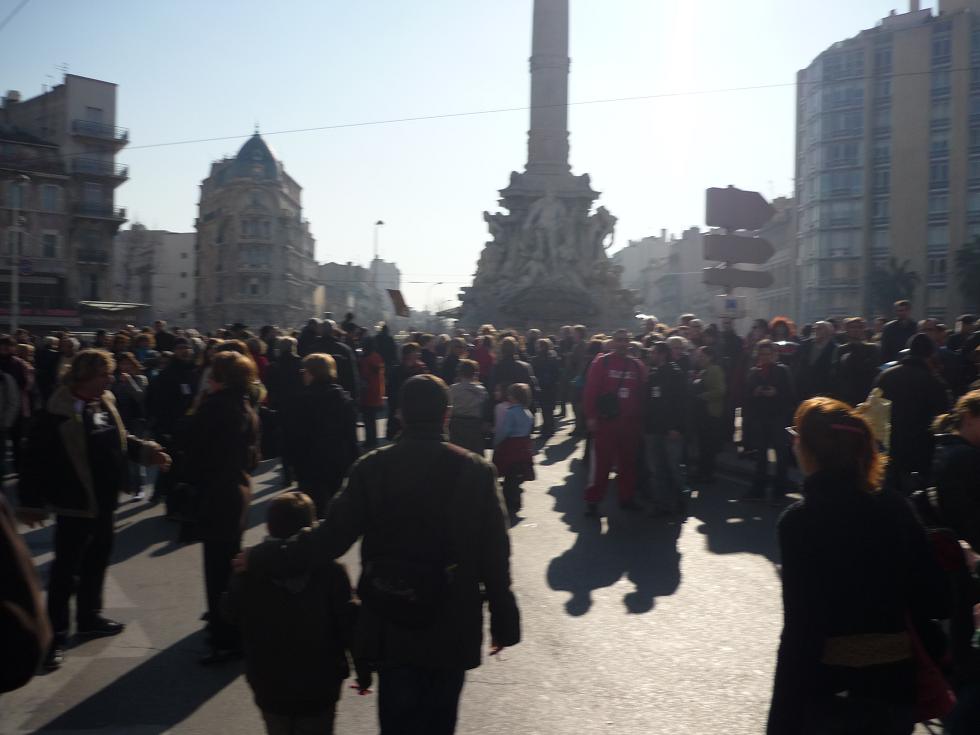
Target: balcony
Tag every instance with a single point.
(99, 211)
(96, 167)
(92, 256)
(100, 131)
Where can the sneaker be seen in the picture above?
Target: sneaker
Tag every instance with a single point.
(100, 627)
(591, 510)
(138, 497)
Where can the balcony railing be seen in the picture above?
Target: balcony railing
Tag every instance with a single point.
(91, 129)
(99, 257)
(99, 211)
(95, 167)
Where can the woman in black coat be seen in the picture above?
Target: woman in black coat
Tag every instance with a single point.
(856, 567)
(325, 431)
(956, 469)
(222, 451)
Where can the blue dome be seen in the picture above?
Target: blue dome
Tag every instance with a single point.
(256, 160)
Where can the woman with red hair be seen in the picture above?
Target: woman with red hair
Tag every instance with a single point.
(856, 568)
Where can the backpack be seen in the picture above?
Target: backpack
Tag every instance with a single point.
(412, 569)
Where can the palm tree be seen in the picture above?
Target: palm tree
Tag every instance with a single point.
(892, 282)
(968, 273)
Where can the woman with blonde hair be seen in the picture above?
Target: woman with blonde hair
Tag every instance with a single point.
(856, 568)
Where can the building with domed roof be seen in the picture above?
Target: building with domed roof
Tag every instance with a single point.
(255, 253)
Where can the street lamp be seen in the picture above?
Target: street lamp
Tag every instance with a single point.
(18, 182)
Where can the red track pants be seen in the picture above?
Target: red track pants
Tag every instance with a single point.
(615, 443)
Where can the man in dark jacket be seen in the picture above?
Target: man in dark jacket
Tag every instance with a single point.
(343, 355)
(285, 386)
(663, 424)
(815, 361)
(384, 343)
(856, 365)
(76, 467)
(457, 351)
(917, 397)
(169, 398)
(509, 370)
(547, 371)
(898, 332)
(768, 409)
(434, 506)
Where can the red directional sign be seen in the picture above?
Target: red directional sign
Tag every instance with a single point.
(737, 278)
(737, 249)
(735, 209)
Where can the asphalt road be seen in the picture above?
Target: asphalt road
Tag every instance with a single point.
(631, 625)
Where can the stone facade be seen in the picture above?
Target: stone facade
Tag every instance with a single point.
(349, 287)
(65, 141)
(156, 267)
(255, 253)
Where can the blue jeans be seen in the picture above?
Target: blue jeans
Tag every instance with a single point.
(413, 700)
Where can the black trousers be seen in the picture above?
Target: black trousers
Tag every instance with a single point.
(710, 432)
(417, 701)
(370, 416)
(547, 414)
(219, 550)
(82, 547)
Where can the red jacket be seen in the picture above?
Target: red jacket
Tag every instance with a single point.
(372, 369)
(606, 375)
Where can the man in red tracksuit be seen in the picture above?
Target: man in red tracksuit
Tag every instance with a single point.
(613, 403)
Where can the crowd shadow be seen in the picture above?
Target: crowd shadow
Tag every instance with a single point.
(634, 546)
(149, 698)
(560, 451)
(732, 526)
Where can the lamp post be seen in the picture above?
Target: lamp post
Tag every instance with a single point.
(15, 252)
(377, 227)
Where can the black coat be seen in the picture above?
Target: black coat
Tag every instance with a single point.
(853, 563)
(895, 337)
(778, 408)
(855, 368)
(508, 371)
(473, 517)
(546, 367)
(222, 451)
(956, 476)
(170, 396)
(814, 378)
(384, 343)
(665, 405)
(324, 429)
(917, 397)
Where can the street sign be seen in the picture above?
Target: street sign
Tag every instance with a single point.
(735, 209)
(398, 301)
(737, 278)
(732, 307)
(737, 249)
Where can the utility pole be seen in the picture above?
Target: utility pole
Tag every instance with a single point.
(21, 180)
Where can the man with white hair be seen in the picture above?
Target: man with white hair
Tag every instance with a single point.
(815, 362)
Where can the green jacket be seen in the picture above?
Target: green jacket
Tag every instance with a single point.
(712, 385)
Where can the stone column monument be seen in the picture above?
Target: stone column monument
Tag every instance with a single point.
(546, 264)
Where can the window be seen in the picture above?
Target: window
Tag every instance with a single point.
(15, 195)
(942, 49)
(940, 84)
(15, 241)
(937, 269)
(938, 237)
(880, 208)
(49, 198)
(883, 59)
(882, 150)
(222, 232)
(49, 245)
(841, 183)
(939, 142)
(973, 168)
(975, 104)
(881, 180)
(973, 202)
(880, 242)
(938, 203)
(940, 110)
(883, 89)
(883, 118)
(93, 287)
(974, 137)
(939, 174)
(93, 114)
(92, 193)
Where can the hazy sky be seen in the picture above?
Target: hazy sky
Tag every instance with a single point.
(189, 69)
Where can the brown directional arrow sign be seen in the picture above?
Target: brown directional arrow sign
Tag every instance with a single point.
(737, 278)
(737, 249)
(735, 209)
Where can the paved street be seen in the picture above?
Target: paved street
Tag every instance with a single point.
(631, 625)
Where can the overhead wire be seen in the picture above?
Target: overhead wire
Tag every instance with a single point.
(13, 13)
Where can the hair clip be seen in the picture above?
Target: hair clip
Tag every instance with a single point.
(845, 427)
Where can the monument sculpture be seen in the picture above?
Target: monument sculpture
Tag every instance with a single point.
(546, 264)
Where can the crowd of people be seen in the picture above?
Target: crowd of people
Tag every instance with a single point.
(193, 414)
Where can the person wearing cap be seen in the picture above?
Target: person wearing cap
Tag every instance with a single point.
(917, 397)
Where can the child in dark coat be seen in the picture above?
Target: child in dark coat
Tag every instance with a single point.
(297, 632)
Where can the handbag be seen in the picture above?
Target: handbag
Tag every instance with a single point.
(933, 696)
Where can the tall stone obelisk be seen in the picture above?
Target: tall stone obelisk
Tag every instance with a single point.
(546, 263)
(547, 141)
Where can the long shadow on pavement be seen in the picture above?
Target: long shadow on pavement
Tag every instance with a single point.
(639, 548)
(732, 526)
(153, 697)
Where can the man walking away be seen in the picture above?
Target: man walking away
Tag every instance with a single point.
(666, 400)
(613, 404)
(768, 410)
(434, 547)
(856, 365)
